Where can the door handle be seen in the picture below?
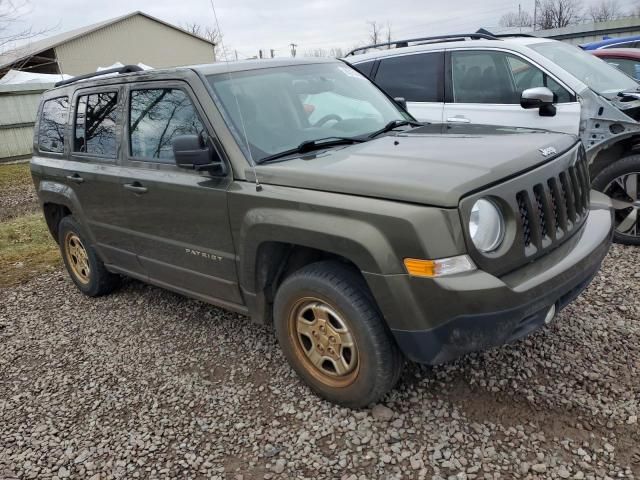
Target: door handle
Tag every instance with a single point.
(75, 178)
(458, 119)
(135, 187)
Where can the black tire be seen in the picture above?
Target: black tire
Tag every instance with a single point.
(379, 361)
(604, 183)
(93, 281)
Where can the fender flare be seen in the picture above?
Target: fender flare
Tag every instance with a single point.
(357, 241)
(60, 194)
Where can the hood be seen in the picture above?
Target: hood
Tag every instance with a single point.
(432, 165)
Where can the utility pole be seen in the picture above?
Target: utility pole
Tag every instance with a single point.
(520, 16)
(273, 53)
(293, 49)
(535, 14)
(236, 52)
(260, 53)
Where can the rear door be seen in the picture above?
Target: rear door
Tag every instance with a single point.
(180, 217)
(416, 77)
(484, 87)
(93, 172)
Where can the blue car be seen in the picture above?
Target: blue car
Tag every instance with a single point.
(608, 42)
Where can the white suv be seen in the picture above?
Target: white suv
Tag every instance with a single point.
(523, 81)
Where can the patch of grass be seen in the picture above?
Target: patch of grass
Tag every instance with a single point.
(14, 175)
(26, 249)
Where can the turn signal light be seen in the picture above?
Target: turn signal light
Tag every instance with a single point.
(440, 267)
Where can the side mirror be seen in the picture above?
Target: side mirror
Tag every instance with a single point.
(401, 102)
(191, 152)
(541, 98)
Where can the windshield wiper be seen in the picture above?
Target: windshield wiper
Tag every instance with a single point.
(310, 145)
(395, 124)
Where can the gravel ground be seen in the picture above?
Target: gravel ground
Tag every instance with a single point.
(16, 201)
(147, 384)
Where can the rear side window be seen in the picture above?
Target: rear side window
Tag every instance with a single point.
(156, 117)
(95, 124)
(52, 124)
(416, 78)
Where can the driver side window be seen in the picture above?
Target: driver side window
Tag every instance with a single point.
(527, 76)
(494, 77)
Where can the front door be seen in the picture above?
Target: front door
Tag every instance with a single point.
(181, 217)
(485, 88)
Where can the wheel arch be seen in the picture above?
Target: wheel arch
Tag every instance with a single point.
(271, 250)
(58, 201)
(613, 152)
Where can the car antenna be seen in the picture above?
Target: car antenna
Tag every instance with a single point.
(244, 130)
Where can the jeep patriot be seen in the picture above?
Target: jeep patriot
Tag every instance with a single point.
(299, 194)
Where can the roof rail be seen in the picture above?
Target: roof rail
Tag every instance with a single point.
(124, 69)
(405, 43)
(515, 35)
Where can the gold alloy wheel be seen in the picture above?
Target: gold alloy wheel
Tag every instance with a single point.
(77, 257)
(323, 342)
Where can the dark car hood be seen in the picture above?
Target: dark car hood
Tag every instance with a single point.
(434, 165)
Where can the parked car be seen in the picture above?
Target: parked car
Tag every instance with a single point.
(625, 59)
(523, 81)
(297, 193)
(620, 42)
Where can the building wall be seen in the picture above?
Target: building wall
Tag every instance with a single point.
(593, 32)
(133, 40)
(18, 110)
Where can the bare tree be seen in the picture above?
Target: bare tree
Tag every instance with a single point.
(11, 14)
(388, 33)
(557, 13)
(375, 32)
(516, 19)
(209, 33)
(316, 52)
(605, 10)
(334, 52)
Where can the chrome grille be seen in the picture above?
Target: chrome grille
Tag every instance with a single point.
(551, 210)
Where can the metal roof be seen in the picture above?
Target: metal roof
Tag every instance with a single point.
(48, 43)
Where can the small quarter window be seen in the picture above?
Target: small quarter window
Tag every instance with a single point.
(52, 125)
(156, 117)
(95, 125)
(365, 68)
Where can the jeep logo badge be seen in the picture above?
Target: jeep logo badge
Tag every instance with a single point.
(548, 151)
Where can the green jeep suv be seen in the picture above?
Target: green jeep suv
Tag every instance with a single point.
(297, 193)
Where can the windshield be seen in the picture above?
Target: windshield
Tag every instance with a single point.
(281, 107)
(596, 74)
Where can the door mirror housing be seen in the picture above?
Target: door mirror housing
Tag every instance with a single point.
(401, 102)
(541, 98)
(194, 153)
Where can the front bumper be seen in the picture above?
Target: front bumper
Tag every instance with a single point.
(437, 320)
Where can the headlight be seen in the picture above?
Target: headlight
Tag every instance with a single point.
(486, 226)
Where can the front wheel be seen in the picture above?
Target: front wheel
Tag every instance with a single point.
(333, 335)
(621, 182)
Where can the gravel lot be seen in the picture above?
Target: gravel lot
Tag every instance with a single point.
(147, 384)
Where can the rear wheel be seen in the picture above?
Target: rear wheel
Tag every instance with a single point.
(333, 335)
(621, 182)
(83, 265)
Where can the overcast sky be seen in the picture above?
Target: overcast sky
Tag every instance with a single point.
(249, 25)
